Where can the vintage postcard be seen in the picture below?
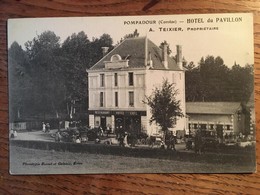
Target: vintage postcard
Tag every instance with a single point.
(132, 94)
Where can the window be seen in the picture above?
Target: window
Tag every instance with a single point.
(17, 125)
(131, 98)
(101, 98)
(131, 78)
(102, 80)
(116, 99)
(116, 79)
(115, 57)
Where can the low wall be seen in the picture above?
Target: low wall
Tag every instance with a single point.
(248, 156)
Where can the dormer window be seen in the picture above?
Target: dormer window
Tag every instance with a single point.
(116, 62)
(115, 58)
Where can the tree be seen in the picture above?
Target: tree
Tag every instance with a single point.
(169, 51)
(241, 82)
(132, 35)
(96, 45)
(77, 47)
(80, 54)
(193, 84)
(208, 81)
(77, 56)
(188, 66)
(46, 65)
(165, 108)
(212, 80)
(49, 79)
(19, 81)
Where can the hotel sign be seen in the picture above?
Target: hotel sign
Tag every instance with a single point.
(102, 112)
(126, 113)
(132, 113)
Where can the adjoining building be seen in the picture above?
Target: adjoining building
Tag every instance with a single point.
(120, 81)
(223, 117)
(251, 106)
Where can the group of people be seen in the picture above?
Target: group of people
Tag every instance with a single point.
(58, 136)
(127, 139)
(46, 127)
(104, 132)
(198, 143)
(13, 133)
(170, 141)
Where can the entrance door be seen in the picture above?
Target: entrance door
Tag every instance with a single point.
(119, 121)
(103, 122)
(220, 131)
(119, 125)
(133, 124)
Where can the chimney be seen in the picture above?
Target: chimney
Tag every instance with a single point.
(179, 56)
(104, 50)
(165, 55)
(145, 51)
(150, 61)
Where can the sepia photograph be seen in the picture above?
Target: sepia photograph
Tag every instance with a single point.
(132, 94)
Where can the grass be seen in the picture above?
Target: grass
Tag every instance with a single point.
(53, 162)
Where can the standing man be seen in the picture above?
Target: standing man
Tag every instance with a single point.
(43, 127)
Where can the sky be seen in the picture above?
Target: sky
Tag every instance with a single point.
(229, 36)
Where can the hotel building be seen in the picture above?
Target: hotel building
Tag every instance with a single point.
(120, 81)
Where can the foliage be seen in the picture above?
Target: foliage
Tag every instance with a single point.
(165, 108)
(80, 55)
(76, 50)
(45, 60)
(96, 48)
(48, 78)
(241, 82)
(212, 80)
(131, 35)
(19, 79)
(169, 51)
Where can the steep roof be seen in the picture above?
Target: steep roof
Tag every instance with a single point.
(212, 107)
(133, 49)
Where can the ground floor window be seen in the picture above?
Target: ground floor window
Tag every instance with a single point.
(131, 124)
(203, 126)
(126, 121)
(219, 131)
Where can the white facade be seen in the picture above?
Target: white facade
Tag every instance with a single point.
(154, 78)
(117, 87)
(110, 88)
(144, 81)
